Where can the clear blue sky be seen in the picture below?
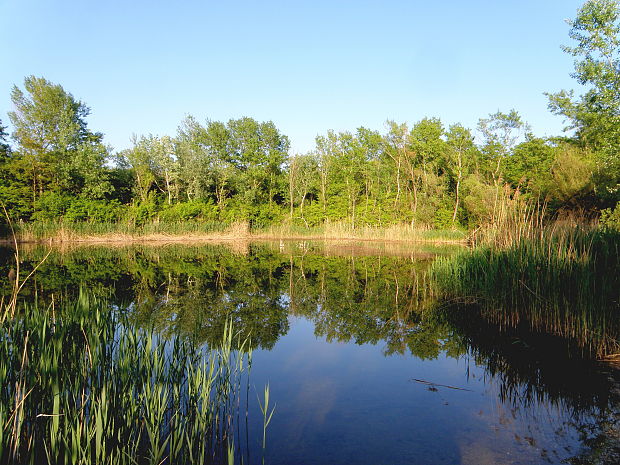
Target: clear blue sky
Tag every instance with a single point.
(307, 66)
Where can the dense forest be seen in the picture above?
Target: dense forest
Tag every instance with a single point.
(54, 167)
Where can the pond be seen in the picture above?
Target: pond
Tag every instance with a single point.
(359, 370)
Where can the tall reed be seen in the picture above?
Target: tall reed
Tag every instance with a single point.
(344, 230)
(564, 282)
(80, 384)
(80, 231)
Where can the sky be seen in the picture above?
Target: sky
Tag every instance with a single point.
(142, 66)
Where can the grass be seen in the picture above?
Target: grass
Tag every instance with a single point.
(188, 230)
(124, 232)
(345, 231)
(80, 384)
(564, 282)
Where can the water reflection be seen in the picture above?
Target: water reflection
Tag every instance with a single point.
(379, 298)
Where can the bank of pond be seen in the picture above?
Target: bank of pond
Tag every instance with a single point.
(378, 353)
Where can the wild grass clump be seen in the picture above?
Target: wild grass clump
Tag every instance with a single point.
(119, 231)
(346, 231)
(565, 282)
(79, 384)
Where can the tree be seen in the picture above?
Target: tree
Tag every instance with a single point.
(500, 132)
(424, 154)
(54, 139)
(258, 150)
(5, 149)
(461, 156)
(139, 160)
(302, 170)
(205, 164)
(529, 167)
(396, 146)
(595, 115)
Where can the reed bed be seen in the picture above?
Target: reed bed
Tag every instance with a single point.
(80, 385)
(564, 282)
(193, 230)
(127, 232)
(345, 231)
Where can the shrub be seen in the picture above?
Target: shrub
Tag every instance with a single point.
(610, 217)
(51, 206)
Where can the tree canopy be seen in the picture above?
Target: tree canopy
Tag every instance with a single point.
(422, 174)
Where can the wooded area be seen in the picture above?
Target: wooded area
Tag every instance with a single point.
(426, 174)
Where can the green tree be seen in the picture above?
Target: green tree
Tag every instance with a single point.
(423, 159)
(302, 174)
(54, 140)
(461, 158)
(5, 148)
(500, 132)
(205, 164)
(529, 166)
(595, 115)
(14, 193)
(395, 149)
(258, 150)
(139, 160)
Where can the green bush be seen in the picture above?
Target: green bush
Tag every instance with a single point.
(610, 217)
(51, 206)
(443, 217)
(142, 213)
(265, 215)
(93, 211)
(185, 211)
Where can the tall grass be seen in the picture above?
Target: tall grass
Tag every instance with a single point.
(67, 232)
(344, 230)
(79, 384)
(80, 231)
(564, 282)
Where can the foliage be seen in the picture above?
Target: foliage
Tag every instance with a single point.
(595, 115)
(564, 282)
(54, 140)
(610, 217)
(422, 175)
(94, 388)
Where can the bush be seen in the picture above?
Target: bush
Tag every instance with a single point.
(185, 211)
(51, 206)
(265, 215)
(93, 211)
(443, 217)
(141, 213)
(610, 217)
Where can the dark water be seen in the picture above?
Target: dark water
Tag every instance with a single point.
(359, 368)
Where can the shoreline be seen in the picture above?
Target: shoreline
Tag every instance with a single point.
(120, 238)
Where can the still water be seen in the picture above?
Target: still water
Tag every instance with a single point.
(358, 368)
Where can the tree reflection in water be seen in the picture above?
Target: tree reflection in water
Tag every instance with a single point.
(366, 299)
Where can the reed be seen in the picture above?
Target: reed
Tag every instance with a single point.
(125, 232)
(560, 281)
(345, 231)
(80, 384)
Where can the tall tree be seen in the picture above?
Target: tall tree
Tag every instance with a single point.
(5, 149)
(425, 151)
(595, 115)
(500, 132)
(395, 148)
(53, 137)
(258, 150)
(461, 156)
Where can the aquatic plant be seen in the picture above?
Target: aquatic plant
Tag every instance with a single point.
(80, 384)
(566, 282)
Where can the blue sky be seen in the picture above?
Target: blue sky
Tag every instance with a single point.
(307, 66)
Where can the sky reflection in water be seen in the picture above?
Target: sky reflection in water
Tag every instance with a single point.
(340, 339)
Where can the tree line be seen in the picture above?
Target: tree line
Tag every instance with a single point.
(426, 173)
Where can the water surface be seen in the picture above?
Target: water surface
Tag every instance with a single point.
(359, 369)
